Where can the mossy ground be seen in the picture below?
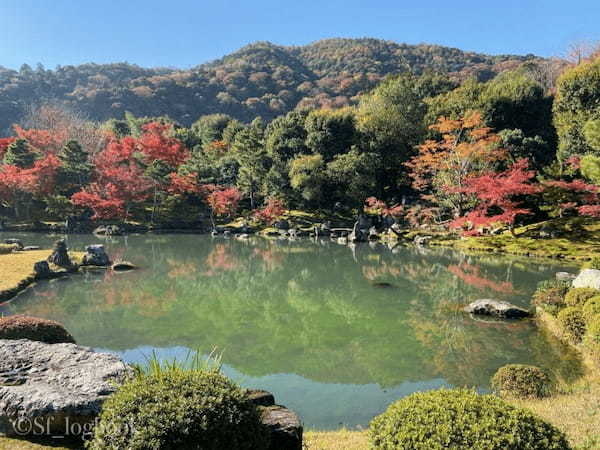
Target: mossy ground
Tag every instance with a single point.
(575, 239)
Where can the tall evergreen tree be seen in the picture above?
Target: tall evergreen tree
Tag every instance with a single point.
(20, 154)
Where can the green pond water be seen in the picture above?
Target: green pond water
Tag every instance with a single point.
(337, 334)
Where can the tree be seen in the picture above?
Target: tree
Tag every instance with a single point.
(577, 102)
(497, 197)
(272, 211)
(519, 146)
(75, 169)
(254, 162)
(19, 153)
(352, 176)
(441, 168)
(223, 201)
(330, 132)
(307, 177)
(4, 143)
(285, 136)
(210, 127)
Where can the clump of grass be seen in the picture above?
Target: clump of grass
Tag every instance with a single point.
(550, 295)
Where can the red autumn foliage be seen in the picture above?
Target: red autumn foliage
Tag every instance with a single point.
(272, 211)
(46, 141)
(495, 193)
(224, 201)
(156, 144)
(379, 207)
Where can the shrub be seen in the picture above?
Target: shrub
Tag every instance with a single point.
(34, 329)
(173, 408)
(521, 381)
(572, 322)
(594, 263)
(578, 296)
(593, 331)
(550, 295)
(461, 419)
(591, 308)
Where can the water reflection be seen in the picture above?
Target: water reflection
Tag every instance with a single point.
(336, 332)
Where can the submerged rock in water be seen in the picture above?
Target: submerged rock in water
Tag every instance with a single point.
(496, 308)
(122, 266)
(587, 278)
(34, 329)
(55, 384)
(95, 256)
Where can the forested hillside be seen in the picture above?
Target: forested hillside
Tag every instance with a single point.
(261, 79)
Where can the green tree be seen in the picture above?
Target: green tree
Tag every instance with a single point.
(330, 132)
(285, 136)
(577, 102)
(352, 176)
(308, 177)
(210, 127)
(20, 154)
(591, 132)
(75, 169)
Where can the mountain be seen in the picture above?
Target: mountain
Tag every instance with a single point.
(260, 79)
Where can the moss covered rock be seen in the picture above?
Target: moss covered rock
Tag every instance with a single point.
(34, 329)
(175, 409)
(459, 418)
(521, 381)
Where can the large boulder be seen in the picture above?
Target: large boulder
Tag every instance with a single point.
(587, 278)
(95, 256)
(41, 269)
(57, 389)
(496, 308)
(34, 329)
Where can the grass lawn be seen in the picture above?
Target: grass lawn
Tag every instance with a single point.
(18, 267)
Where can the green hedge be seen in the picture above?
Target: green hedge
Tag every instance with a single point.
(174, 408)
(578, 296)
(591, 308)
(521, 381)
(572, 321)
(461, 419)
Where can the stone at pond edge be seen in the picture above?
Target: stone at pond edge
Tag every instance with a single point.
(95, 256)
(34, 329)
(54, 383)
(31, 247)
(122, 266)
(60, 256)
(587, 278)
(565, 276)
(41, 269)
(16, 242)
(261, 398)
(496, 308)
(284, 426)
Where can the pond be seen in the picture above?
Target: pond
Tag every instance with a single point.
(336, 333)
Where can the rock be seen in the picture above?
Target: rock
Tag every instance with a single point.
(41, 269)
(261, 398)
(420, 241)
(373, 235)
(30, 248)
(16, 242)
(282, 225)
(108, 230)
(587, 278)
(34, 329)
(565, 276)
(227, 233)
(60, 256)
(496, 308)
(57, 384)
(284, 426)
(95, 256)
(122, 266)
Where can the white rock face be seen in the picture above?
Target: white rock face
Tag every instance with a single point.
(588, 278)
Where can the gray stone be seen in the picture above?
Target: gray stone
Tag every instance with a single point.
(41, 269)
(565, 276)
(285, 427)
(373, 235)
(587, 278)
(16, 242)
(496, 308)
(261, 398)
(31, 247)
(282, 225)
(420, 241)
(57, 384)
(60, 256)
(95, 256)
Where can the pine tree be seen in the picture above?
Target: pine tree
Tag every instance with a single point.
(19, 154)
(75, 167)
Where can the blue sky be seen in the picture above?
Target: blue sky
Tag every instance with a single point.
(184, 33)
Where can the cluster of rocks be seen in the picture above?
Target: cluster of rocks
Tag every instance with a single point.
(496, 308)
(18, 245)
(48, 380)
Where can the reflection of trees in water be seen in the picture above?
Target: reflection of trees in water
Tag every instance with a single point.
(299, 307)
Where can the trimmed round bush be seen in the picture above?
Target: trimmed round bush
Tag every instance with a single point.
(591, 308)
(578, 296)
(172, 408)
(459, 418)
(593, 331)
(34, 329)
(572, 322)
(521, 381)
(550, 295)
